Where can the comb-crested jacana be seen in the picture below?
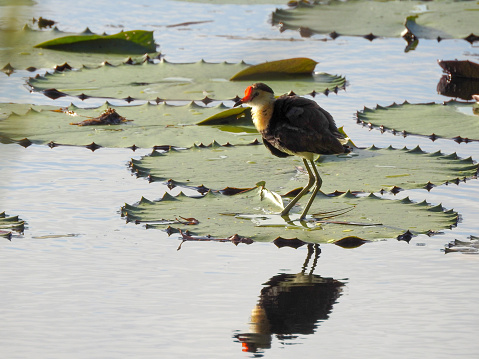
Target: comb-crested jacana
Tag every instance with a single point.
(294, 126)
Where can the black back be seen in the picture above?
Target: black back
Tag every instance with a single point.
(301, 125)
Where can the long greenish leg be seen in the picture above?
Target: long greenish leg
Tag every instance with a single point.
(303, 191)
(319, 182)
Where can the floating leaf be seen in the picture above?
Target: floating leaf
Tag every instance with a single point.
(9, 224)
(248, 214)
(25, 39)
(444, 19)
(269, 70)
(453, 120)
(125, 42)
(365, 170)
(168, 81)
(145, 125)
(236, 116)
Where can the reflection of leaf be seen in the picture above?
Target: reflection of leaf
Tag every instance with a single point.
(296, 66)
(125, 42)
(350, 242)
(466, 68)
(366, 170)
(458, 87)
(446, 19)
(454, 120)
(470, 247)
(168, 81)
(249, 216)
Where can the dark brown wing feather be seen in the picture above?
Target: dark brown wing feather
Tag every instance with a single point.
(301, 125)
(274, 150)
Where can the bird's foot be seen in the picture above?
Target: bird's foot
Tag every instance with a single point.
(287, 217)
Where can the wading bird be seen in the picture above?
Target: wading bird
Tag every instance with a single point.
(294, 126)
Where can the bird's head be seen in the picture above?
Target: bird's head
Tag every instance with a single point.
(257, 94)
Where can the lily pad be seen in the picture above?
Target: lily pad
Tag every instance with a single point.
(144, 125)
(444, 19)
(364, 170)
(452, 120)
(6, 109)
(17, 48)
(251, 215)
(125, 42)
(172, 81)
(9, 224)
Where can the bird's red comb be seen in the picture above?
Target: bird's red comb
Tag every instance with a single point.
(248, 92)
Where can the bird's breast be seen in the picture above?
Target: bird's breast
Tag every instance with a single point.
(261, 117)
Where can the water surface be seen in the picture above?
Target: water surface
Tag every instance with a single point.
(82, 283)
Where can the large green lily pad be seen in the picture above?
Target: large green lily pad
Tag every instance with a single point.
(452, 120)
(146, 125)
(6, 109)
(365, 170)
(445, 19)
(250, 214)
(18, 48)
(172, 81)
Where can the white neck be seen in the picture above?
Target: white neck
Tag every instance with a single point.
(261, 111)
(261, 115)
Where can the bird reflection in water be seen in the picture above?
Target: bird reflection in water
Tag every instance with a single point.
(291, 305)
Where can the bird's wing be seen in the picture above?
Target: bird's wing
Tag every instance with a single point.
(306, 113)
(301, 125)
(273, 149)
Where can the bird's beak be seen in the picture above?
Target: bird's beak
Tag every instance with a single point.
(239, 102)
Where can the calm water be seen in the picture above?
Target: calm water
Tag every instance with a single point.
(81, 283)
